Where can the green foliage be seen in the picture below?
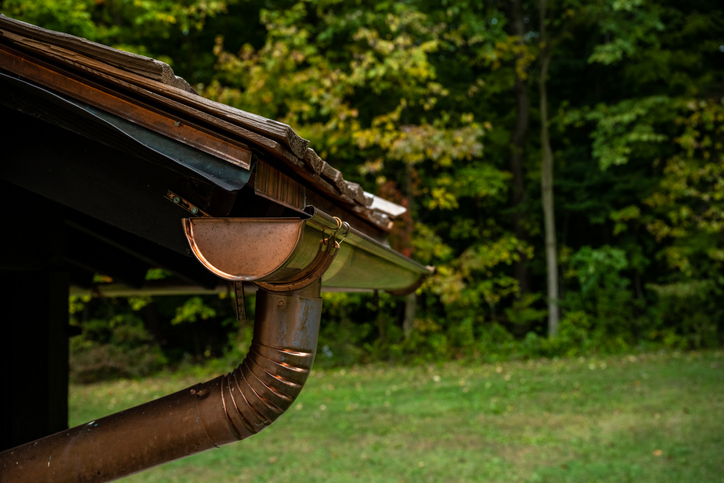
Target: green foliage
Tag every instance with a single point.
(523, 311)
(113, 341)
(414, 100)
(688, 314)
(626, 126)
(363, 83)
(633, 27)
(600, 268)
(602, 315)
(192, 310)
(689, 204)
(71, 16)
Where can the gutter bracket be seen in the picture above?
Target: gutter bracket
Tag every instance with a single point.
(240, 301)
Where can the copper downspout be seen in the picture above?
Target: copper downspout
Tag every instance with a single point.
(207, 415)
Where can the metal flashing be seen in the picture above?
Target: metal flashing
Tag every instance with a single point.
(111, 130)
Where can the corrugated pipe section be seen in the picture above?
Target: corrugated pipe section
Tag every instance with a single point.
(207, 415)
(278, 363)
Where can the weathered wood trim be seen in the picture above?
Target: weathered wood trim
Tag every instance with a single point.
(47, 42)
(145, 66)
(115, 76)
(201, 107)
(313, 160)
(331, 174)
(356, 192)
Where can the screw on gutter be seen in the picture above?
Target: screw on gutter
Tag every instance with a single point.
(176, 199)
(280, 303)
(194, 210)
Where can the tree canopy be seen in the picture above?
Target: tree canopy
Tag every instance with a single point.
(437, 106)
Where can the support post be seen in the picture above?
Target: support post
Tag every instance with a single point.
(34, 342)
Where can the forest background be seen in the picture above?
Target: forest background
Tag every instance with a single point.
(562, 163)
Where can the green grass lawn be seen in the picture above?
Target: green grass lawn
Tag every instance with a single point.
(645, 418)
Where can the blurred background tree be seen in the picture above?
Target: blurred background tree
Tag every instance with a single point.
(459, 110)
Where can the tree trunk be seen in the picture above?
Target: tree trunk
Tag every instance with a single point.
(381, 322)
(517, 142)
(547, 183)
(408, 322)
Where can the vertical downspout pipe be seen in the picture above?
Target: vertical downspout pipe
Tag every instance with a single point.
(221, 411)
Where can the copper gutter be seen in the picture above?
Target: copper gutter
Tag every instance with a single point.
(269, 250)
(287, 259)
(207, 415)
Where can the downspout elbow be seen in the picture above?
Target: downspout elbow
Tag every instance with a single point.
(266, 383)
(223, 410)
